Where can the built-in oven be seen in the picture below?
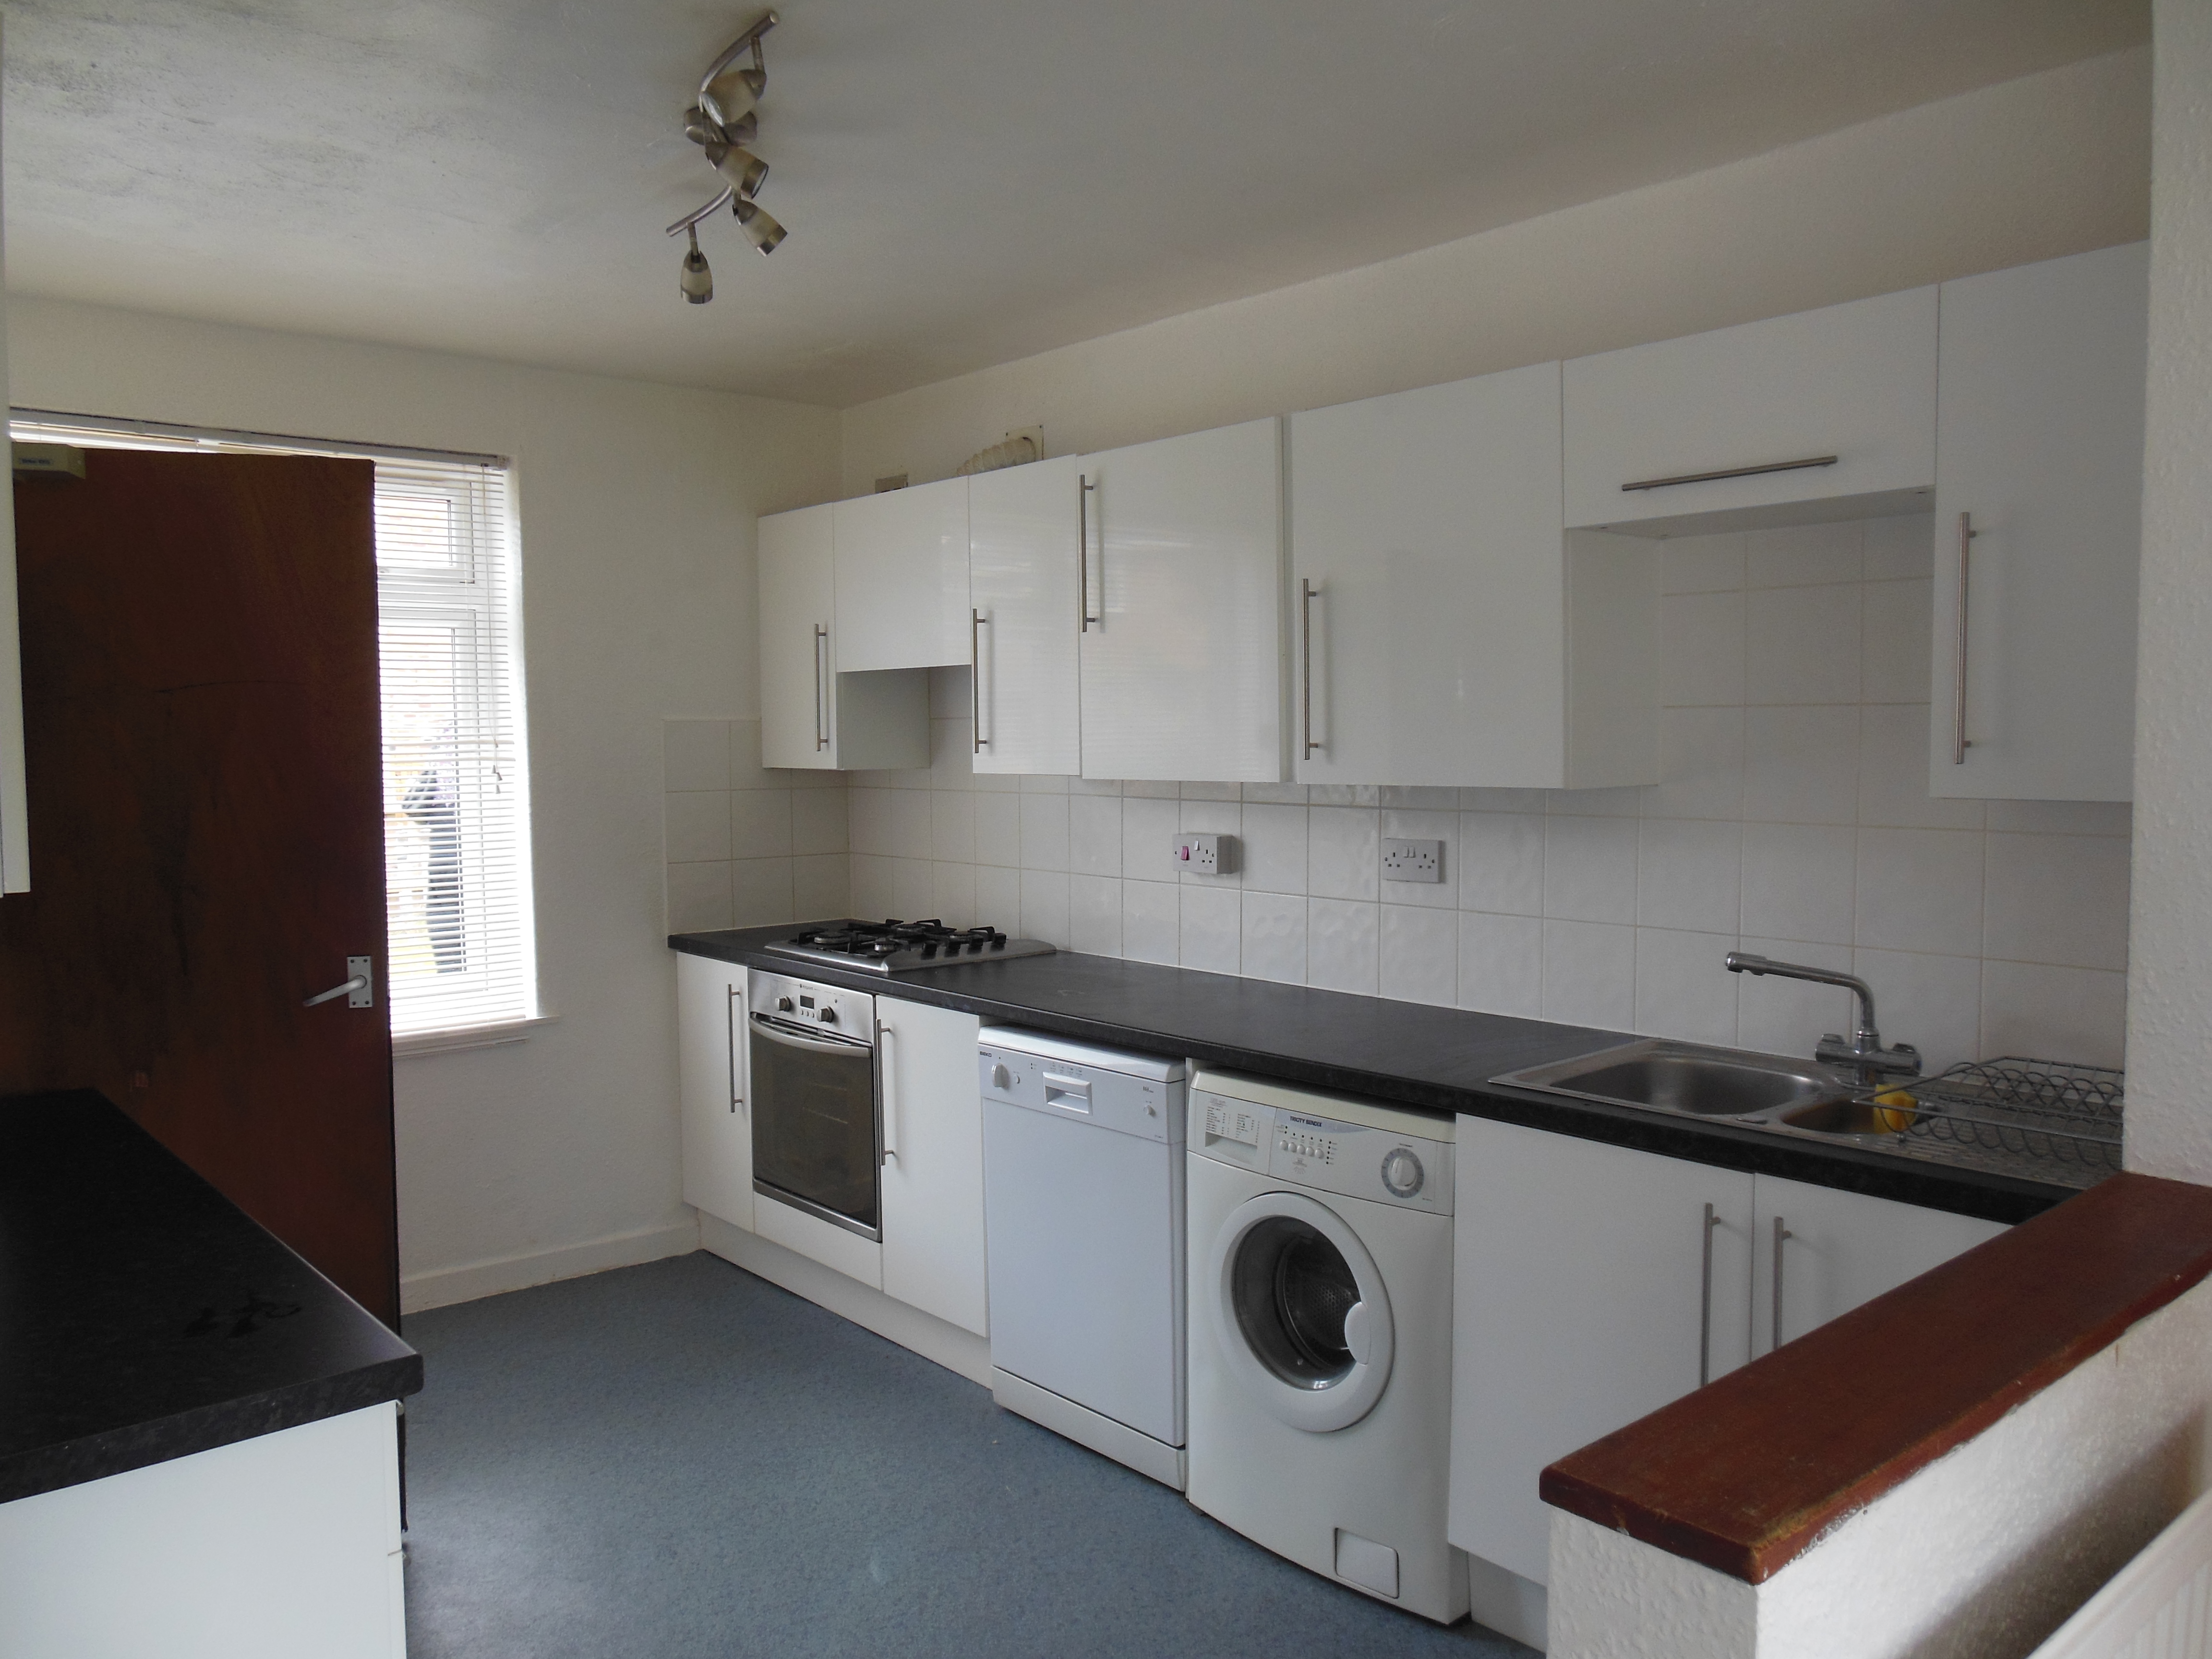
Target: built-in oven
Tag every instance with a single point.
(817, 1140)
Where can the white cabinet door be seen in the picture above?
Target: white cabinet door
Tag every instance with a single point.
(1855, 381)
(1024, 553)
(1182, 664)
(1434, 618)
(798, 610)
(903, 578)
(932, 1167)
(711, 1047)
(1834, 1250)
(1584, 1299)
(2039, 446)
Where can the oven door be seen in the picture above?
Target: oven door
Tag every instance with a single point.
(815, 1134)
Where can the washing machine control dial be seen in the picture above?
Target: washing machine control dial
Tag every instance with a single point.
(1000, 1078)
(1402, 1173)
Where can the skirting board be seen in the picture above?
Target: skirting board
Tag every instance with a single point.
(1509, 1604)
(956, 1350)
(1168, 1465)
(443, 1286)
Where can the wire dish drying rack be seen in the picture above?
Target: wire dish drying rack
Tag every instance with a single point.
(1997, 1112)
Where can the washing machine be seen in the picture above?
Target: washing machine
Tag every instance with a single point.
(1320, 1306)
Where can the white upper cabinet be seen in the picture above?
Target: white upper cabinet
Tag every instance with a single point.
(1856, 382)
(932, 1167)
(903, 578)
(1830, 1250)
(710, 1041)
(2039, 503)
(1182, 664)
(812, 717)
(1431, 601)
(1023, 556)
(798, 606)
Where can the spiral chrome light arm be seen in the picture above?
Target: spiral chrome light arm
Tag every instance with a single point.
(697, 214)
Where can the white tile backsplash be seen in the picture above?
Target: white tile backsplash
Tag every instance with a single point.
(1791, 818)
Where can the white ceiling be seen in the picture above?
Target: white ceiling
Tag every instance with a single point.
(964, 182)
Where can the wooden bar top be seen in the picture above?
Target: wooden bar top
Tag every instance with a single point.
(1748, 1472)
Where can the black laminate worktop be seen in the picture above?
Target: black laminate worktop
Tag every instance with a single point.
(1435, 1060)
(144, 1316)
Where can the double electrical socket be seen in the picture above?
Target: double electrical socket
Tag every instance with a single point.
(1207, 855)
(1413, 860)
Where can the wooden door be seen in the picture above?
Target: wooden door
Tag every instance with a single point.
(1837, 1249)
(1582, 1295)
(933, 1172)
(1182, 667)
(2039, 444)
(1023, 544)
(201, 738)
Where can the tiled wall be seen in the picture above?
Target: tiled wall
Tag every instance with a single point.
(745, 844)
(1793, 819)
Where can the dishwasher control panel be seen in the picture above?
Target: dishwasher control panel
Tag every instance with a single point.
(1068, 1082)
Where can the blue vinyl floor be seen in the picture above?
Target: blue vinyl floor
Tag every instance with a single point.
(682, 1461)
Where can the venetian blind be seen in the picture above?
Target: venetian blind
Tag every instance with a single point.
(460, 941)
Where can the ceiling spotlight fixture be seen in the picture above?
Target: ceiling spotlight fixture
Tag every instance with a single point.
(724, 120)
(697, 282)
(760, 229)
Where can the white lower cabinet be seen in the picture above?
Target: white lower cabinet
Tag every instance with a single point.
(710, 1051)
(1585, 1298)
(932, 1161)
(1831, 1251)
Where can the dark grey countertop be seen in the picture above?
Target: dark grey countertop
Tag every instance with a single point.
(1436, 1060)
(144, 1316)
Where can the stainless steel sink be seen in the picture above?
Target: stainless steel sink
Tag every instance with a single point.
(1663, 1075)
(1845, 1117)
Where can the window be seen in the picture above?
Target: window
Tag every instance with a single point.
(460, 947)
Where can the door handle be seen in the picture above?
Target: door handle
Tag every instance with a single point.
(1781, 1232)
(977, 622)
(1960, 742)
(1083, 558)
(821, 737)
(1306, 595)
(359, 990)
(887, 1049)
(1705, 1305)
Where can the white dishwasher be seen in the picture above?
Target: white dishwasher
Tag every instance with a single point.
(1083, 1206)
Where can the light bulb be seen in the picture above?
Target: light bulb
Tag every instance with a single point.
(760, 229)
(697, 282)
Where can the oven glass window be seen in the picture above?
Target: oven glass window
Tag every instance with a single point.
(814, 1124)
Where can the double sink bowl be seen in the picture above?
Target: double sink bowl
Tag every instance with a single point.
(1767, 1091)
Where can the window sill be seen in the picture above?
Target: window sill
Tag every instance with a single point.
(416, 1043)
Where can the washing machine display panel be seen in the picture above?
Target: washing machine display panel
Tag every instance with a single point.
(1358, 1161)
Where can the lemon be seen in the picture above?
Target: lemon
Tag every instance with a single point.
(1894, 1110)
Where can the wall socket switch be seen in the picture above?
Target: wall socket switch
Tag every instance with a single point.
(1413, 860)
(1207, 855)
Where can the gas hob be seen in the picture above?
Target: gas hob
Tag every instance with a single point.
(904, 947)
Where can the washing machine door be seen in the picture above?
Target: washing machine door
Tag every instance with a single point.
(1299, 1311)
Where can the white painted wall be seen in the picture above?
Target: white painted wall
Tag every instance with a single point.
(2028, 169)
(2170, 977)
(1985, 1551)
(557, 1154)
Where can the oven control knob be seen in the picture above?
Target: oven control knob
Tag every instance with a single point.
(1402, 1173)
(828, 1016)
(1001, 1079)
(784, 1004)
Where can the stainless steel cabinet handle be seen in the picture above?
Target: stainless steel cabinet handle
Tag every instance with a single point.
(359, 990)
(886, 1057)
(1083, 558)
(1705, 1305)
(976, 620)
(737, 1012)
(1733, 472)
(1306, 595)
(821, 732)
(1959, 744)
(1781, 1232)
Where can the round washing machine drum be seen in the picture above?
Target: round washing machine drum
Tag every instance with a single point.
(1299, 1311)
